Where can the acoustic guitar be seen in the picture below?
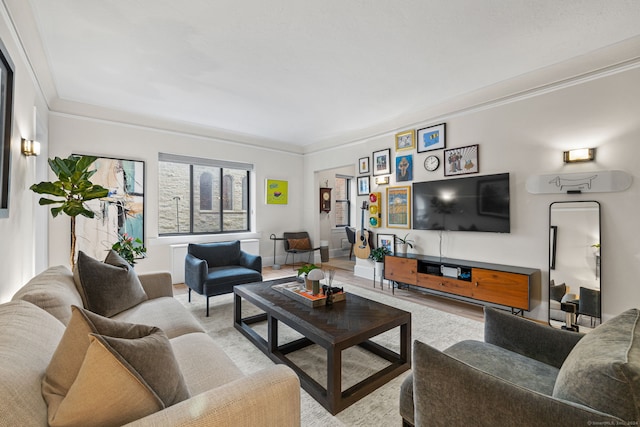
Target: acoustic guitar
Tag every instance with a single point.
(362, 248)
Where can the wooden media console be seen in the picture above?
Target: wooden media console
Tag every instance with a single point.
(504, 285)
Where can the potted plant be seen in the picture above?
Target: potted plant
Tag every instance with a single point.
(377, 255)
(129, 248)
(304, 271)
(73, 188)
(403, 242)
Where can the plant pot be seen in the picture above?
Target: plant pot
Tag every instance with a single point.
(308, 284)
(402, 248)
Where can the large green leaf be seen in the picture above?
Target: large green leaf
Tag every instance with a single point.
(53, 188)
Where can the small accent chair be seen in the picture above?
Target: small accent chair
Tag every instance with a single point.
(298, 243)
(213, 269)
(351, 236)
(589, 304)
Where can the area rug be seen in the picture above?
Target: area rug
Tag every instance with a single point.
(379, 408)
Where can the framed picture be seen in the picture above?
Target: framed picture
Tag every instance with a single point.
(404, 168)
(363, 185)
(382, 162)
(363, 165)
(121, 212)
(6, 114)
(460, 161)
(553, 238)
(387, 241)
(277, 192)
(431, 138)
(406, 140)
(399, 207)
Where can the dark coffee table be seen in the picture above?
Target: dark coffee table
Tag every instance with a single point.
(335, 328)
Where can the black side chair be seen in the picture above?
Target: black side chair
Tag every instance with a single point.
(589, 304)
(213, 269)
(298, 243)
(351, 236)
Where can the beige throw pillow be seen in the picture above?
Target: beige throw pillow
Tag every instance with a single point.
(106, 372)
(108, 287)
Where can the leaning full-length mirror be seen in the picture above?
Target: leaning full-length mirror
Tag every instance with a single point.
(574, 265)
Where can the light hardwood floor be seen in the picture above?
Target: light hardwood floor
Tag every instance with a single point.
(471, 311)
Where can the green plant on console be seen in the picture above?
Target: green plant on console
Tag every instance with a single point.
(129, 248)
(73, 188)
(378, 254)
(405, 241)
(305, 269)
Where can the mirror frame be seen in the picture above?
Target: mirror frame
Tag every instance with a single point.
(552, 252)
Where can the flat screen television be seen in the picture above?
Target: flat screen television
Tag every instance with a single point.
(478, 203)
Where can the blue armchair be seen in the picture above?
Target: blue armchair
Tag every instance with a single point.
(213, 269)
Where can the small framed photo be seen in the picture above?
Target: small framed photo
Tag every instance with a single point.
(461, 161)
(404, 168)
(431, 138)
(382, 162)
(406, 140)
(363, 165)
(363, 185)
(387, 241)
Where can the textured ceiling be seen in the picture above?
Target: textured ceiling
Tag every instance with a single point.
(300, 71)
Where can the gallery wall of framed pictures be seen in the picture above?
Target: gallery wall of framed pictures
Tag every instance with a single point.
(412, 148)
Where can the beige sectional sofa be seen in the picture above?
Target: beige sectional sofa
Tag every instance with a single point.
(32, 324)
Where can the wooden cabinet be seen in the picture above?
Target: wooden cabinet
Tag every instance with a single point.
(500, 287)
(497, 284)
(400, 269)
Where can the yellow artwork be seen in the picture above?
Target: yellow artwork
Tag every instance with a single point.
(277, 192)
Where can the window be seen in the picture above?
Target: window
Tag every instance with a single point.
(199, 196)
(343, 203)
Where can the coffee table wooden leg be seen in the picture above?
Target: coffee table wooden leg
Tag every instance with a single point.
(334, 379)
(272, 333)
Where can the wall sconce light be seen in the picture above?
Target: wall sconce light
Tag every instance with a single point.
(30, 148)
(382, 180)
(580, 155)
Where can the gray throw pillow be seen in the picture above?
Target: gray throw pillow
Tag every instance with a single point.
(108, 287)
(556, 292)
(603, 369)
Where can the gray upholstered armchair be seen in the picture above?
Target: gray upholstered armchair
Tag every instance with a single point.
(213, 269)
(526, 373)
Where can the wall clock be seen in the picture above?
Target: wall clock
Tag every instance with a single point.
(325, 200)
(431, 163)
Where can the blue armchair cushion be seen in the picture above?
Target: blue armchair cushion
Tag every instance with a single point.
(603, 369)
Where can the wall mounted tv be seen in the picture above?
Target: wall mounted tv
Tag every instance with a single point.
(478, 203)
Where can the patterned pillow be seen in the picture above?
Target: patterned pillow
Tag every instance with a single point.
(110, 372)
(108, 287)
(299, 244)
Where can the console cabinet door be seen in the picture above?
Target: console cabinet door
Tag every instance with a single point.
(399, 269)
(445, 284)
(510, 289)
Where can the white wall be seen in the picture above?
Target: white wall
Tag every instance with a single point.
(525, 138)
(77, 135)
(21, 241)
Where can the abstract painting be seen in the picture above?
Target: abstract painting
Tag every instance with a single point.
(121, 212)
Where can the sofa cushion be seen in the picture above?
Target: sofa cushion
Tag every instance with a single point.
(166, 313)
(53, 290)
(556, 292)
(603, 369)
(108, 287)
(28, 339)
(191, 350)
(507, 365)
(110, 372)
